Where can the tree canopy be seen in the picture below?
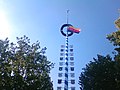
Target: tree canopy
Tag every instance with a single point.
(100, 74)
(23, 66)
(103, 73)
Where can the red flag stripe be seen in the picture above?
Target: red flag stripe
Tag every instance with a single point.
(75, 30)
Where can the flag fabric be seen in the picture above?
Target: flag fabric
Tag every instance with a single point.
(73, 29)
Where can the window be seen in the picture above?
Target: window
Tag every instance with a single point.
(59, 74)
(71, 58)
(72, 81)
(72, 63)
(72, 68)
(72, 88)
(59, 88)
(59, 81)
(60, 68)
(60, 63)
(61, 58)
(72, 75)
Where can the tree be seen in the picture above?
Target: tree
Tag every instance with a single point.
(23, 66)
(115, 39)
(103, 73)
(99, 74)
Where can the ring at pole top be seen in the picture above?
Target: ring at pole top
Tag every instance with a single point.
(63, 26)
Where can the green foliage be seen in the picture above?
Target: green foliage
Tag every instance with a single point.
(103, 73)
(100, 74)
(23, 66)
(114, 38)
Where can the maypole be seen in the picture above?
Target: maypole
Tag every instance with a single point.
(66, 59)
(67, 30)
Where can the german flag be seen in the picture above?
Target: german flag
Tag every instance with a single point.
(73, 29)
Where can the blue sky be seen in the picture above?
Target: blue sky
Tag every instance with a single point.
(41, 20)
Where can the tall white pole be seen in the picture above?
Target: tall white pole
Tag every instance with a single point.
(66, 58)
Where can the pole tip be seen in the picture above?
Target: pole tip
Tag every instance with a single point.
(68, 11)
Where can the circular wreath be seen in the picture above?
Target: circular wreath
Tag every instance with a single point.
(63, 26)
